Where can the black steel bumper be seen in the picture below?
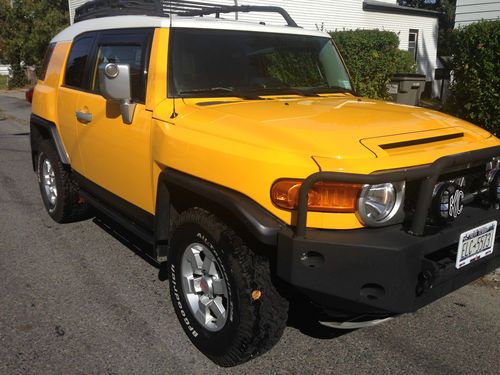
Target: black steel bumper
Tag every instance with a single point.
(382, 270)
(387, 270)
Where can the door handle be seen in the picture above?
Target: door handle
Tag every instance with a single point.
(84, 117)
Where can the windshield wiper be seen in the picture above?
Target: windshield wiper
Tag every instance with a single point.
(215, 90)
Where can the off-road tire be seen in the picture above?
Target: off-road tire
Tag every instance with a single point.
(254, 325)
(69, 206)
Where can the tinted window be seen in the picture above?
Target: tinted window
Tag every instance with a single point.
(131, 55)
(77, 62)
(46, 60)
(215, 61)
(124, 47)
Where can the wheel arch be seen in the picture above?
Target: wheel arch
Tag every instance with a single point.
(178, 191)
(41, 129)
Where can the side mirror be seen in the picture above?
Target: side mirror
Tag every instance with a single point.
(114, 84)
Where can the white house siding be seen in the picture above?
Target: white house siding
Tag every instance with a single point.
(349, 14)
(469, 11)
(4, 70)
(334, 15)
(73, 4)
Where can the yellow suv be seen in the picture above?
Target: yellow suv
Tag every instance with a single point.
(243, 154)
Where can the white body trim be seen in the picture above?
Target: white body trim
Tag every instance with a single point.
(130, 22)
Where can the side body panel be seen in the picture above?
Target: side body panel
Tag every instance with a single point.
(67, 104)
(46, 92)
(116, 156)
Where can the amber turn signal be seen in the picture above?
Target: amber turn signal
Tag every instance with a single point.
(323, 197)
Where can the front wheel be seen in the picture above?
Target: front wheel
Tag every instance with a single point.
(222, 291)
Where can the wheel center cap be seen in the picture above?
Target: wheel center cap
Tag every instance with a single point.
(206, 285)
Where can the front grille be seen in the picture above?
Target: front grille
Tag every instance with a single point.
(471, 179)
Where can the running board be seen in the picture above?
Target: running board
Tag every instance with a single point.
(132, 227)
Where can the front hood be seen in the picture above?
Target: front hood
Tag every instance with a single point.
(341, 127)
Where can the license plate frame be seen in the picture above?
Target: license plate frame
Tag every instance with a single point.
(476, 243)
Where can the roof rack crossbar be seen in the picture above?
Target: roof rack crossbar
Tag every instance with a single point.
(166, 8)
(246, 9)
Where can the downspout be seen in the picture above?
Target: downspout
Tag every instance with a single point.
(236, 13)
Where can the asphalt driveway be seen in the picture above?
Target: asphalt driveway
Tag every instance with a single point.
(76, 300)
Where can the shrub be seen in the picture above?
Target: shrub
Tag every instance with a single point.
(372, 56)
(474, 93)
(26, 29)
(3, 82)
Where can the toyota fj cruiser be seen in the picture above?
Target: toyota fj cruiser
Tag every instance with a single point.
(243, 154)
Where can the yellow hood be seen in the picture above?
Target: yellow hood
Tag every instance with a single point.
(341, 127)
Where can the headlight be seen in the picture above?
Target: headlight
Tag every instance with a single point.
(379, 204)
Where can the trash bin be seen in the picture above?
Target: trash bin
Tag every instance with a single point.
(406, 88)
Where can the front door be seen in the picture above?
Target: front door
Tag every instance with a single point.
(117, 156)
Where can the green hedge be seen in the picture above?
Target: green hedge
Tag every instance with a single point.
(372, 56)
(474, 93)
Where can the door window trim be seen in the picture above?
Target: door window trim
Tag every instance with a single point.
(99, 37)
(107, 37)
(86, 77)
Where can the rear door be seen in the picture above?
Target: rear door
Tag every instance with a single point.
(116, 155)
(75, 82)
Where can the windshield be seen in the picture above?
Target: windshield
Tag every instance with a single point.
(215, 63)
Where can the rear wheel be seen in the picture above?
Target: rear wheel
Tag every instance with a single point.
(222, 291)
(59, 192)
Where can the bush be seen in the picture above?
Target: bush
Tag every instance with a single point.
(3, 82)
(26, 29)
(18, 76)
(372, 56)
(474, 93)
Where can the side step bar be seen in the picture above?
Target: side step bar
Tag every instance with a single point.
(135, 229)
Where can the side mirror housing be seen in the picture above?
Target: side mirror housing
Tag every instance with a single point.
(114, 84)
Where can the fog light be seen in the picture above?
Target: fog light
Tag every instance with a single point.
(448, 203)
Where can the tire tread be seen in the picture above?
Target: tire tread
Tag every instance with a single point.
(263, 321)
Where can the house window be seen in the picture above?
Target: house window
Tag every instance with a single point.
(413, 43)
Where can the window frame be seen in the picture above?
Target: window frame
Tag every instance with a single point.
(100, 38)
(86, 83)
(107, 38)
(171, 89)
(46, 61)
(415, 32)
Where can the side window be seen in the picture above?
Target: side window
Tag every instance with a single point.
(130, 49)
(46, 60)
(77, 62)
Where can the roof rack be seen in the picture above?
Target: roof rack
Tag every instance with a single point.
(166, 8)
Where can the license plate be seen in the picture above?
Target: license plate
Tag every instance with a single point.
(476, 244)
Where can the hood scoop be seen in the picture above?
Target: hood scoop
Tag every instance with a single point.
(421, 141)
(416, 142)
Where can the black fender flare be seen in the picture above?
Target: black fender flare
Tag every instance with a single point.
(39, 127)
(259, 222)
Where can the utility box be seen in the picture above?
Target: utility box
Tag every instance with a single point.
(406, 88)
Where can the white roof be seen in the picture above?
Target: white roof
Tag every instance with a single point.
(127, 22)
